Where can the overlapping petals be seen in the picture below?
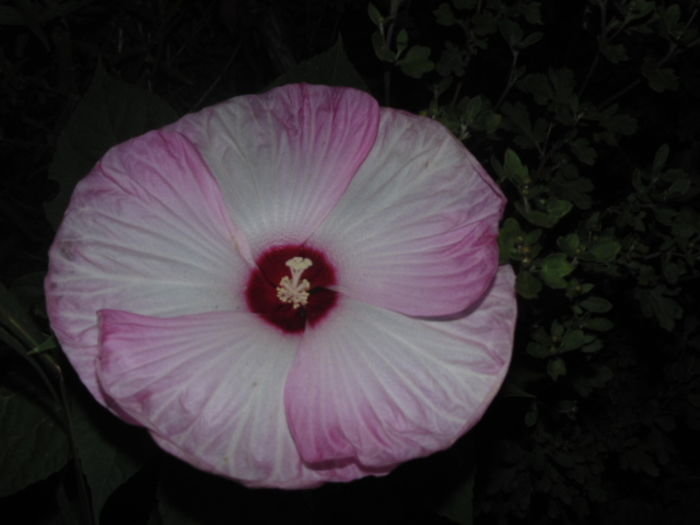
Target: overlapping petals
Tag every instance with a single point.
(284, 159)
(381, 387)
(217, 404)
(403, 230)
(150, 269)
(147, 231)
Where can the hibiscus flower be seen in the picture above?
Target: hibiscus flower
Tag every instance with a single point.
(288, 289)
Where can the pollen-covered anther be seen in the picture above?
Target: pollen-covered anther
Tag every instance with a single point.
(294, 290)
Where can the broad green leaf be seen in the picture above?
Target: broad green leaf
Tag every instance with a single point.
(332, 68)
(14, 317)
(111, 112)
(569, 243)
(458, 507)
(554, 268)
(597, 305)
(381, 50)
(110, 451)
(416, 62)
(527, 285)
(32, 444)
(604, 250)
(573, 339)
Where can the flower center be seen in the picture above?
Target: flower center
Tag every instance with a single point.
(289, 288)
(292, 290)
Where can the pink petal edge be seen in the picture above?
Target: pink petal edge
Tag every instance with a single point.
(284, 158)
(147, 231)
(379, 388)
(209, 388)
(420, 215)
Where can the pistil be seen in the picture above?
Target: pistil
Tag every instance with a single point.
(295, 290)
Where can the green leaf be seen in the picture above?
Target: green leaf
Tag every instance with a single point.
(527, 285)
(374, 15)
(514, 169)
(416, 62)
(554, 268)
(531, 415)
(32, 444)
(452, 62)
(584, 152)
(599, 324)
(639, 9)
(604, 250)
(615, 53)
(660, 158)
(111, 112)
(555, 209)
(381, 50)
(110, 451)
(508, 237)
(530, 40)
(458, 506)
(556, 368)
(660, 79)
(573, 339)
(656, 302)
(539, 350)
(15, 318)
(621, 124)
(332, 68)
(444, 15)
(401, 41)
(511, 32)
(596, 305)
(537, 84)
(532, 12)
(569, 243)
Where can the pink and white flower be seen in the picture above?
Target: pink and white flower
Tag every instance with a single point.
(289, 288)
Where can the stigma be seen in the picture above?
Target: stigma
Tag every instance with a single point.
(296, 289)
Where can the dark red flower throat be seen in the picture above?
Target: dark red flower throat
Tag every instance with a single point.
(289, 287)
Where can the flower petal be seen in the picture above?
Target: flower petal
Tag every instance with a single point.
(146, 231)
(382, 388)
(209, 387)
(420, 215)
(284, 158)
